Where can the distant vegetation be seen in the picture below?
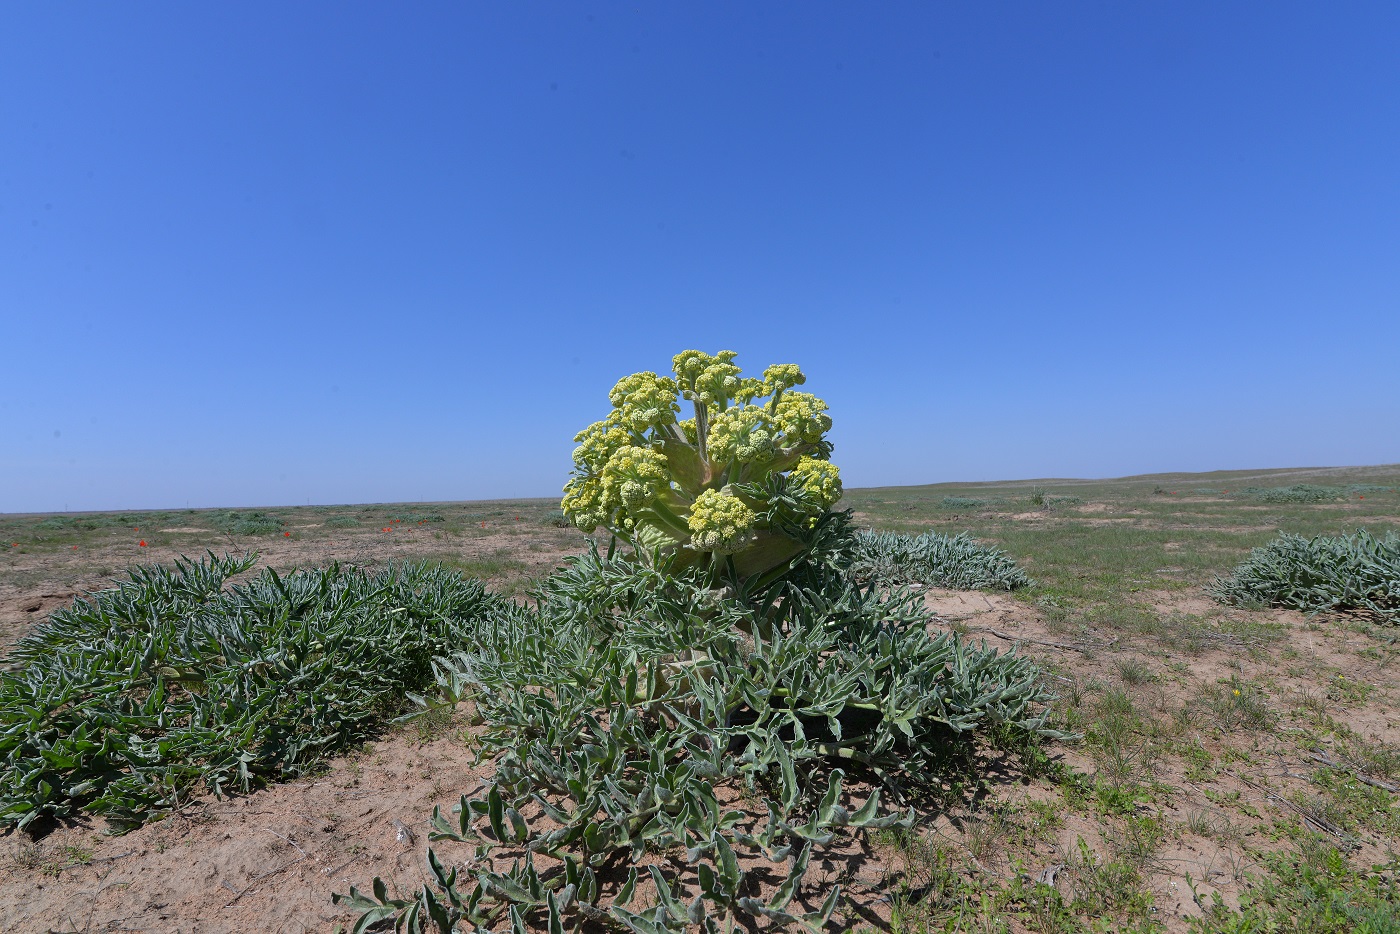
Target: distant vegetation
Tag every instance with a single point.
(247, 523)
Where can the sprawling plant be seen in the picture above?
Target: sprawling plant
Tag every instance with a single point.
(729, 488)
(1346, 573)
(939, 560)
(176, 681)
(627, 710)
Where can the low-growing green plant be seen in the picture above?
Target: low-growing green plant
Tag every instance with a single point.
(1297, 493)
(635, 691)
(342, 522)
(961, 502)
(235, 522)
(1347, 573)
(130, 700)
(1315, 891)
(937, 560)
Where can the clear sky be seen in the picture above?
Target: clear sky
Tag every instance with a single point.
(263, 253)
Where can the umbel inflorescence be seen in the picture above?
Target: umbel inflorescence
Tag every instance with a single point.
(726, 483)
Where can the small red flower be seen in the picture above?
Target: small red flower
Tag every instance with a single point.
(135, 528)
(75, 547)
(286, 534)
(483, 525)
(143, 543)
(1360, 497)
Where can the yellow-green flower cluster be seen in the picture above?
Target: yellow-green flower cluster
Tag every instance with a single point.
(713, 381)
(644, 400)
(720, 523)
(652, 478)
(634, 477)
(780, 377)
(801, 417)
(742, 433)
(819, 480)
(583, 503)
(596, 444)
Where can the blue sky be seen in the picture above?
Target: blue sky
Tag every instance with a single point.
(288, 253)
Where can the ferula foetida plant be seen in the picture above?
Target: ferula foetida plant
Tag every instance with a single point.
(732, 482)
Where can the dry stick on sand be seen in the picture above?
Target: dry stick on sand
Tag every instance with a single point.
(1321, 823)
(1360, 777)
(1087, 649)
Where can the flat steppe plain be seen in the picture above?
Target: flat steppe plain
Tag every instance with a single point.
(1220, 746)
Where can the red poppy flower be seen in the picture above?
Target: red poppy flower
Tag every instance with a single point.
(143, 543)
(286, 534)
(75, 547)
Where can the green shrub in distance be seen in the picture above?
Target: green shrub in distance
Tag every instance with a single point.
(1298, 493)
(1347, 573)
(961, 502)
(935, 559)
(235, 522)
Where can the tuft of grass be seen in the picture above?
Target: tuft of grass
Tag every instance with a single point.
(1134, 671)
(342, 522)
(1238, 705)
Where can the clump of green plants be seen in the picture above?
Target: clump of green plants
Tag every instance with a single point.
(935, 559)
(342, 522)
(731, 488)
(235, 522)
(1297, 493)
(132, 699)
(419, 518)
(961, 502)
(1357, 573)
(1315, 890)
(636, 692)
